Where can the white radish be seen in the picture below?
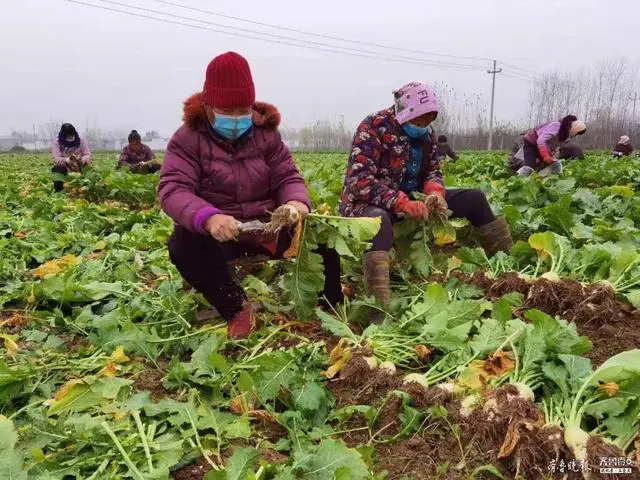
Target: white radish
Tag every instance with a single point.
(416, 378)
(389, 367)
(372, 362)
(469, 404)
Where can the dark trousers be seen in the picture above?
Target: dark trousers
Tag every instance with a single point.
(148, 168)
(532, 158)
(466, 203)
(204, 263)
(58, 185)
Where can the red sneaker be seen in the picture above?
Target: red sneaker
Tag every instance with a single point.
(242, 324)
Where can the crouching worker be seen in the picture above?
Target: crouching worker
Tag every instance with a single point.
(70, 153)
(571, 151)
(541, 146)
(137, 157)
(623, 148)
(225, 166)
(394, 155)
(444, 150)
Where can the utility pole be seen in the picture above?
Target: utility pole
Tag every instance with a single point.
(493, 72)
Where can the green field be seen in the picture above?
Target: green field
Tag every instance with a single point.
(111, 367)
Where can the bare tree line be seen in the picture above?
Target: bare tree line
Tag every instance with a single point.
(604, 96)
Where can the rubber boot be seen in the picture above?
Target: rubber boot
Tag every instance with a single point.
(495, 236)
(376, 276)
(242, 323)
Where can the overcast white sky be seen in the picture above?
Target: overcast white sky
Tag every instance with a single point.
(64, 61)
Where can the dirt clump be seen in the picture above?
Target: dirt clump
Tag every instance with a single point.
(272, 456)
(388, 421)
(194, 471)
(592, 304)
(479, 279)
(267, 428)
(512, 431)
(358, 384)
(599, 454)
(75, 343)
(611, 339)
(507, 283)
(151, 380)
(610, 324)
(423, 398)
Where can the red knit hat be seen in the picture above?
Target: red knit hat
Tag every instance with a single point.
(228, 83)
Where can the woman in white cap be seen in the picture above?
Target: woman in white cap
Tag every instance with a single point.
(623, 148)
(542, 144)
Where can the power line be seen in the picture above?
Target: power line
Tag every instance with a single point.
(280, 39)
(516, 76)
(524, 70)
(318, 35)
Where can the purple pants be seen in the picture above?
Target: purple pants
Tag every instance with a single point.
(463, 202)
(204, 263)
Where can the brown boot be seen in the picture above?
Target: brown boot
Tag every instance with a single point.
(376, 276)
(495, 236)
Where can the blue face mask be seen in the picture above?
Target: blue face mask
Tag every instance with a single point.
(414, 132)
(230, 126)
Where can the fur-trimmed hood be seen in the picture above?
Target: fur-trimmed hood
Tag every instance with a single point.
(265, 115)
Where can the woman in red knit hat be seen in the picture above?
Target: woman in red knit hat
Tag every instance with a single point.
(227, 164)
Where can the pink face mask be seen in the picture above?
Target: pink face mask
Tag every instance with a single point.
(414, 100)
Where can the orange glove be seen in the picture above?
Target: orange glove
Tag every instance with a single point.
(546, 156)
(414, 208)
(431, 187)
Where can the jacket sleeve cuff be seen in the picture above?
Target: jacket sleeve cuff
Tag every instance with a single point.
(201, 217)
(433, 187)
(300, 198)
(401, 202)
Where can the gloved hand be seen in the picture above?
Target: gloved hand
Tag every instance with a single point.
(416, 209)
(74, 164)
(546, 155)
(432, 187)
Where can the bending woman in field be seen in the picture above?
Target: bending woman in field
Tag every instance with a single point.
(227, 164)
(393, 155)
(541, 146)
(137, 157)
(623, 148)
(70, 153)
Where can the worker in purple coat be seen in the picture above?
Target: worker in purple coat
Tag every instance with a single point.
(541, 146)
(70, 154)
(225, 165)
(137, 157)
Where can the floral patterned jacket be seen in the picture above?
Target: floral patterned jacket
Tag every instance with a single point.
(377, 165)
